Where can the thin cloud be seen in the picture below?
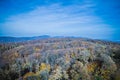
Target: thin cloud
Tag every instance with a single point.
(55, 19)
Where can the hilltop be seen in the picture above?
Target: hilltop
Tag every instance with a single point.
(65, 58)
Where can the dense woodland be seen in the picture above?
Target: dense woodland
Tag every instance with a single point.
(60, 59)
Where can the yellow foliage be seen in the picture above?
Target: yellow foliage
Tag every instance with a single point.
(105, 74)
(44, 66)
(117, 76)
(91, 67)
(37, 49)
(28, 75)
(72, 55)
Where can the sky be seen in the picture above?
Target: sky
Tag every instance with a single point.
(96, 19)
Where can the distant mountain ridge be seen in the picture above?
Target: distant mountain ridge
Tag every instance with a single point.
(6, 39)
(20, 39)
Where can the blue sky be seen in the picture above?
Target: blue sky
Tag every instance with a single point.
(97, 19)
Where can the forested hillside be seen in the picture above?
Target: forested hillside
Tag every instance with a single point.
(60, 59)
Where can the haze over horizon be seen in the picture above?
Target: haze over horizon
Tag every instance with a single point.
(95, 19)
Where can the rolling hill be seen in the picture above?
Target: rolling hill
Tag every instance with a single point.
(52, 58)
